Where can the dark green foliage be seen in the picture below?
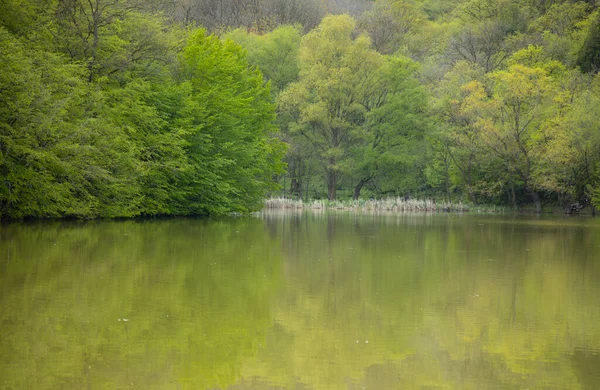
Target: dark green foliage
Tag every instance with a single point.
(589, 56)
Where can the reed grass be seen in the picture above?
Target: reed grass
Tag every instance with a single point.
(388, 204)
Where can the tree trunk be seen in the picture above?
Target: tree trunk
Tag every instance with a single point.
(96, 36)
(295, 187)
(331, 184)
(358, 187)
(536, 200)
(307, 187)
(513, 195)
(471, 194)
(470, 187)
(564, 201)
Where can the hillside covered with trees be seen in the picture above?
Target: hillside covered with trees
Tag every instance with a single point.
(122, 108)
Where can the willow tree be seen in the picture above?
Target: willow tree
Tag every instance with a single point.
(342, 104)
(512, 121)
(569, 166)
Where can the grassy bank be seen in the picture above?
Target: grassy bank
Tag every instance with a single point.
(388, 204)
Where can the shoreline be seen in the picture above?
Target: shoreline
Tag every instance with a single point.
(388, 204)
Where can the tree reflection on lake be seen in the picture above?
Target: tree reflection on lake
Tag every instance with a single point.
(307, 300)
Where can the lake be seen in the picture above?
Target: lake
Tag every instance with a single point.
(302, 300)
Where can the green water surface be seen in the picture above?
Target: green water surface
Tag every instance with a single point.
(309, 300)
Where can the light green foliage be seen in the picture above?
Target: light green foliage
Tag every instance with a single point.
(338, 77)
(274, 53)
(113, 108)
(437, 10)
(114, 40)
(228, 117)
(391, 23)
(351, 104)
(109, 124)
(533, 125)
(146, 113)
(573, 152)
(509, 123)
(593, 189)
(542, 101)
(455, 156)
(57, 159)
(563, 29)
(392, 140)
(561, 18)
(486, 26)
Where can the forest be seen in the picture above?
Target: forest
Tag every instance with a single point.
(125, 108)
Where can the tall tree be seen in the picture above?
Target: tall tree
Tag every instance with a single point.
(510, 122)
(60, 153)
(228, 118)
(568, 167)
(392, 135)
(276, 55)
(327, 103)
(456, 136)
(354, 106)
(389, 23)
(116, 125)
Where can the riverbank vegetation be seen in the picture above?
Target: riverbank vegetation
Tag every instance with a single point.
(388, 204)
(144, 108)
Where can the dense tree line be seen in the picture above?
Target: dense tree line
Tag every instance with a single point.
(108, 111)
(120, 108)
(488, 101)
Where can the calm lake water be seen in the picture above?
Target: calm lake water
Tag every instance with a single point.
(302, 301)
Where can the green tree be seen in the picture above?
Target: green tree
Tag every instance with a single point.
(562, 30)
(228, 120)
(347, 101)
(391, 138)
(107, 123)
(61, 156)
(113, 38)
(390, 22)
(456, 133)
(274, 53)
(510, 122)
(589, 56)
(146, 113)
(569, 165)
